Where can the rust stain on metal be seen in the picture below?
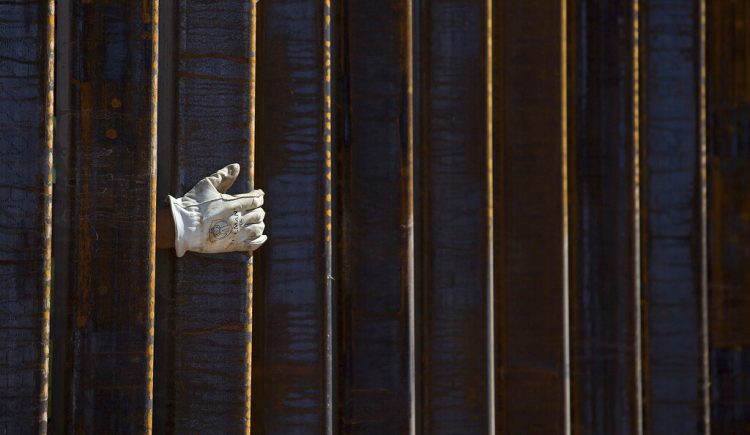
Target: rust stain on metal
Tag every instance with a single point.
(47, 212)
(147, 13)
(328, 246)
(491, 375)
(251, 177)
(153, 8)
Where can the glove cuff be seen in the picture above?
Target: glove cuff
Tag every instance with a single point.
(179, 215)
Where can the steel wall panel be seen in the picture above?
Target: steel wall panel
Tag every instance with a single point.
(113, 186)
(728, 67)
(376, 265)
(291, 350)
(454, 169)
(164, 295)
(529, 253)
(210, 328)
(603, 266)
(26, 86)
(599, 278)
(671, 219)
(61, 211)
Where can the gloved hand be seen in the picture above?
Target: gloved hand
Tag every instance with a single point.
(208, 220)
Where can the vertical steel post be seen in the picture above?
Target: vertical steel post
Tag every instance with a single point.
(26, 177)
(375, 270)
(113, 188)
(210, 339)
(603, 264)
(455, 209)
(728, 212)
(531, 203)
(671, 230)
(292, 346)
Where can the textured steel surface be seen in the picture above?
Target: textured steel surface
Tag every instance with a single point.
(559, 151)
(112, 187)
(605, 398)
(453, 169)
(528, 218)
(292, 285)
(26, 85)
(208, 329)
(164, 416)
(376, 274)
(728, 70)
(61, 210)
(671, 222)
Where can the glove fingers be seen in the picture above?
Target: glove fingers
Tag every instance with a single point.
(254, 231)
(245, 201)
(257, 193)
(255, 243)
(254, 216)
(223, 179)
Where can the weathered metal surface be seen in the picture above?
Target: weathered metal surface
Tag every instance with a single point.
(454, 362)
(26, 98)
(529, 248)
(62, 221)
(728, 68)
(207, 335)
(251, 170)
(603, 354)
(621, 84)
(671, 221)
(328, 219)
(112, 183)
(164, 405)
(291, 347)
(376, 272)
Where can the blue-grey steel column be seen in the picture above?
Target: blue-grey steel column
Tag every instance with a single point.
(292, 352)
(455, 388)
(26, 128)
(375, 183)
(605, 397)
(671, 227)
(209, 342)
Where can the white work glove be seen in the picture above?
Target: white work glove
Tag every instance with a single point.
(208, 220)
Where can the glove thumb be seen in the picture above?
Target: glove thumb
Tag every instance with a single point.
(223, 179)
